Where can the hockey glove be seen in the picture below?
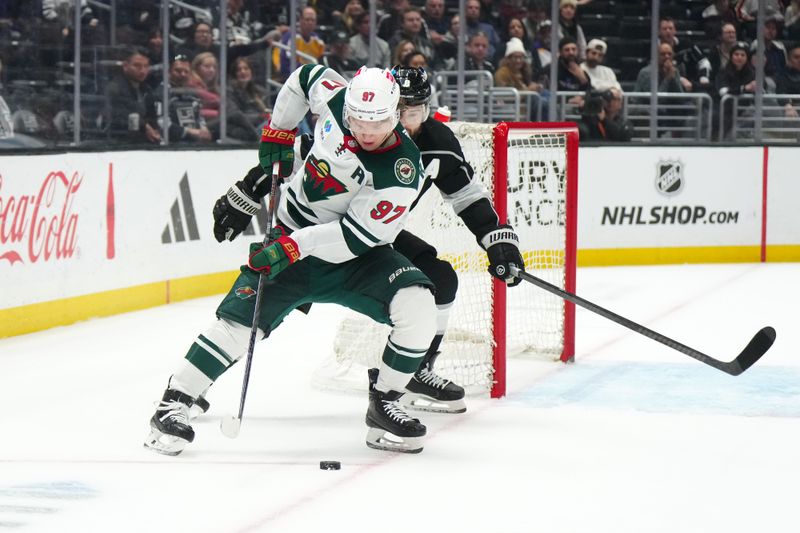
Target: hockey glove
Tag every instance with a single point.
(232, 213)
(502, 247)
(275, 257)
(277, 145)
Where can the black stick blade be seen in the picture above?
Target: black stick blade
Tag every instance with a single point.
(758, 346)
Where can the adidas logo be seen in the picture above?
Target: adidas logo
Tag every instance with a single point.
(182, 219)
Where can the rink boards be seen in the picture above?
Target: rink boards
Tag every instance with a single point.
(94, 234)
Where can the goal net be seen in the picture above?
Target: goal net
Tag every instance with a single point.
(530, 170)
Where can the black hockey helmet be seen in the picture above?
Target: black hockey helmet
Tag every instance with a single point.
(415, 89)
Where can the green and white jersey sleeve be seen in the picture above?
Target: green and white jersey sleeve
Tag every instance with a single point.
(343, 200)
(308, 88)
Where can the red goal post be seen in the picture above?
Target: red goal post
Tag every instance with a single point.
(530, 170)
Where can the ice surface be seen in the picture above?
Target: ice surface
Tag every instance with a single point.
(633, 437)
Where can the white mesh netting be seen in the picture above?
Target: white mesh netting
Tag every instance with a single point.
(535, 319)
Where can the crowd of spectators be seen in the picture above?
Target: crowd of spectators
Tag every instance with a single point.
(705, 46)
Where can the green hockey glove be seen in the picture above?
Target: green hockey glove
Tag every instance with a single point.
(277, 145)
(273, 258)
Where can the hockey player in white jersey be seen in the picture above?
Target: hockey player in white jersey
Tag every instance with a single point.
(336, 218)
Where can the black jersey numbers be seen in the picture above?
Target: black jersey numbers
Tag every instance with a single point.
(384, 209)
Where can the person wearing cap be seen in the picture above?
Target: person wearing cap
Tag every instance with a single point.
(514, 71)
(601, 76)
(338, 57)
(568, 26)
(541, 43)
(737, 78)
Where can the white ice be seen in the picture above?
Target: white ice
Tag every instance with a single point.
(632, 437)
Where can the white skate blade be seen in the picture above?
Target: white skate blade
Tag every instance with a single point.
(163, 443)
(229, 426)
(380, 439)
(419, 402)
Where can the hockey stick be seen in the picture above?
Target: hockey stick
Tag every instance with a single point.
(757, 347)
(230, 425)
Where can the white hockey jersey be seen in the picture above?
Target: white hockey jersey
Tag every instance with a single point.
(343, 200)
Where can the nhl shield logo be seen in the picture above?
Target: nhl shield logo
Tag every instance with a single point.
(669, 177)
(404, 170)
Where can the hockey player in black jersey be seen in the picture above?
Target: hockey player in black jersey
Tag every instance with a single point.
(454, 177)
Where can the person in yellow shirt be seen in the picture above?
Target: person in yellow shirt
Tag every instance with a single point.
(307, 42)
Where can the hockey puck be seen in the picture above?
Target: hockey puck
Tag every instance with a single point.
(330, 465)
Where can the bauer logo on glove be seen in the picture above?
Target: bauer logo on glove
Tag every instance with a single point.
(274, 258)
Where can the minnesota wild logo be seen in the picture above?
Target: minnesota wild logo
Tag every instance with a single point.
(404, 170)
(245, 292)
(319, 184)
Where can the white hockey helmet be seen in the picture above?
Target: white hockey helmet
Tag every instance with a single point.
(371, 97)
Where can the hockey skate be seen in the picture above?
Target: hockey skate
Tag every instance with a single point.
(390, 427)
(199, 407)
(427, 391)
(170, 431)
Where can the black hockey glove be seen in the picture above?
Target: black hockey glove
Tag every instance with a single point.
(502, 247)
(232, 213)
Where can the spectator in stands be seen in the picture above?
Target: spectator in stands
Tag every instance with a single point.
(59, 15)
(401, 50)
(568, 26)
(359, 44)
(747, 10)
(591, 125)
(474, 25)
(346, 19)
(154, 50)
(571, 77)
(203, 41)
(693, 65)
(448, 48)
(789, 81)
(126, 97)
(392, 20)
(618, 129)
(306, 40)
(242, 26)
(537, 13)
(669, 79)
(737, 78)
(436, 22)
(205, 81)
(338, 57)
(477, 52)
(792, 21)
(774, 49)
(720, 54)
(515, 28)
(515, 71)
(718, 13)
(411, 30)
(541, 43)
(186, 124)
(602, 77)
(248, 96)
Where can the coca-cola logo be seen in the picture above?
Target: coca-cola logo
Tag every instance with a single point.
(40, 226)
